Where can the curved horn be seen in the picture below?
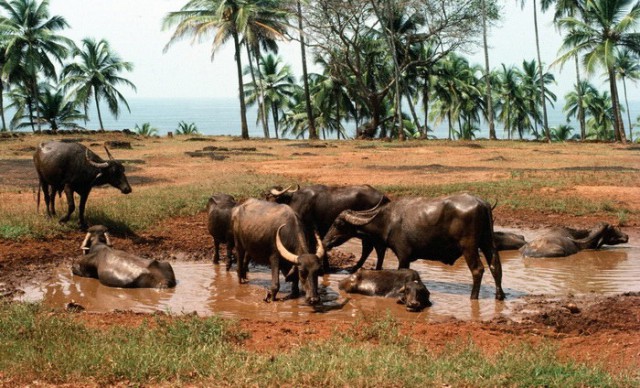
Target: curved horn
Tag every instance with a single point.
(288, 256)
(95, 164)
(319, 248)
(108, 153)
(108, 240)
(365, 213)
(278, 193)
(297, 188)
(357, 219)
(84, 246)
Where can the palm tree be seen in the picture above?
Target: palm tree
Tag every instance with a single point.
(543, 102)
(605, 26)
(227, 19)
(146, 130)
(487, 69)
(185, 128)
(313, 132)
(561, 133)
(627, 67)
(576, 102)
(57, 111)
(96, 75)
(31, 45)
(530, 83)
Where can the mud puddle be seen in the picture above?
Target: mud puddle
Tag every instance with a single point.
(209, 289)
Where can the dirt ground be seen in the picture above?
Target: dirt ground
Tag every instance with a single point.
(596, 329)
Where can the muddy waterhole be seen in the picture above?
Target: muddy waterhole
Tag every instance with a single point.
(209, 289)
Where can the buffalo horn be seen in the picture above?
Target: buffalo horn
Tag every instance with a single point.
(108, 240)
(357, 219)
(84, 246)
(368, 212)
(95, 164)
(288, 256)
(320, 248)
(108, 153)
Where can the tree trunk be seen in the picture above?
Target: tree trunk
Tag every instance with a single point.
(258, 88)
(618, 123)
(313, 133)
(425, 105)
(95, 96)
(626, 102)
(581, 119)
(487, 74)
(412, 109)
(243, 105)
(4, 123)
(543, 101)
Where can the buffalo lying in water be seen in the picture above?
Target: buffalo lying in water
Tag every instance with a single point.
(219, 224)
(319, 205)
(507, 241)
(434, 229)
(272, 234)
(73, 167)
(404, 284)
(116, 268)
(564, 241)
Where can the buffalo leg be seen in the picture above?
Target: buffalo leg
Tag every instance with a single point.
(71, 205)
(293, 275)
(242, 269)
(495, 266)
(381, 249)
(230, 247)
(476, 267)
(81, 207)
(47, 198)
(216, 252)
(275, 281)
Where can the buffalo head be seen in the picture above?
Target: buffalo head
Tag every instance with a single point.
(415, 296)
(308, 266)
(346, 225)
(614, 236)
(97, 234)
(280, 195)
(110, 172)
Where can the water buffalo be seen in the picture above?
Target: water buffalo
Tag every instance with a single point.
(507, 241)
(272, 234)
(433, 229)
(219, 224)
(319, 205)
(73, 167)
(563, 241)
(116, 268)
(404, 284)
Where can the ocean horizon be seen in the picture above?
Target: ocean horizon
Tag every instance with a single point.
(221, 116)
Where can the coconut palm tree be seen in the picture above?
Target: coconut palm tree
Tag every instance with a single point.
(604, 27)
(32, 45)
(627, 67)
(561, 132)
(531, 84)
(487, 7)
(224, 19)
(96, 75)
(57, 111)
(313, 132)
(576, 102)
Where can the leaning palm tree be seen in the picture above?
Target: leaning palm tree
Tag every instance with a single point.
(96, 75)
(225, 19)
(32, 44)
(627, 68)
(605, 26)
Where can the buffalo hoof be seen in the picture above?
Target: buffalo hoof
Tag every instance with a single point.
(500, 295)
(269, 298)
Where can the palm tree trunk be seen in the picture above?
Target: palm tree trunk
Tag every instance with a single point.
(243, 105)
(487, 72)
(274, 113)
(581, 119)
(4, 124)
(313, 133)
(412, 109)
(545, 122)
(95, 96)
(618, 123)
(261, 108)
(425, 105)
(626, 102)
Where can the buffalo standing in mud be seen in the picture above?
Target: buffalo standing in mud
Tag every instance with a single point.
(72, 167)
(563, 241)
(116, 268)
(219, 224)
(319, 205)
(404, 284)
(433, 229)
(272, 234)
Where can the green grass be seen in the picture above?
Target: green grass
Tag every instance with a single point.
(38, 345)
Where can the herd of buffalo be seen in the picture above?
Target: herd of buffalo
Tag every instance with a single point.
(291, 229)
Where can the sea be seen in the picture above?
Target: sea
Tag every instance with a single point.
(221, 116)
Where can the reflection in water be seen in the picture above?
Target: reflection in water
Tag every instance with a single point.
(208, 289)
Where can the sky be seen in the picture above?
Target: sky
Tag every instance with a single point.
(134, 31)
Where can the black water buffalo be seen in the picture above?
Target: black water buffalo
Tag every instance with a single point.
(563, 241)
(507, 241)
(433, 229)
(404, 284)
(273, 234)
(116, 268)
(73, 167)
(319, 205)
(219, 224)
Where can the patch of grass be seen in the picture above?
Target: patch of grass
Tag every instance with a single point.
(36, 344)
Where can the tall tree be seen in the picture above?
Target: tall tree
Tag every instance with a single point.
(627, 68)
(604, 27)
(96, 75)
(32, 44)
(543, 102)
(487, 7)
(225, 19)
(313, 132)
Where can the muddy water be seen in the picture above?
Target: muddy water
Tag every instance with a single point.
(208, 289)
